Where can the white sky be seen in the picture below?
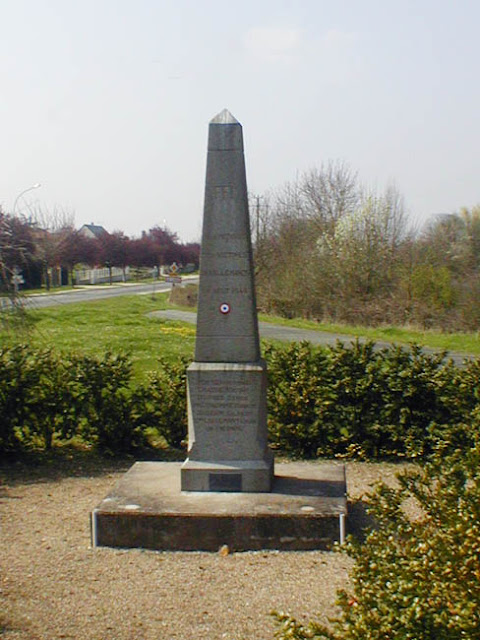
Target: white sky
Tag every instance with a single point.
(107, 102)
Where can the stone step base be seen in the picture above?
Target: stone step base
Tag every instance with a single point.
(305, 510)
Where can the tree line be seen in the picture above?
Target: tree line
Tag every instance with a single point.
(32, 246)
(326, 248)
(329, 249)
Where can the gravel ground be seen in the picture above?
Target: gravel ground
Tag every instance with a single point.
(54, 585)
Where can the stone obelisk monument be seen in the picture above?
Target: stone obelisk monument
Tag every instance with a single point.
(227, 416)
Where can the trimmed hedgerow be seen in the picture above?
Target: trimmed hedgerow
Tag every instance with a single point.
(357, 400)
(46, 395)
(161, 402)
(332, 401)
(37, 398)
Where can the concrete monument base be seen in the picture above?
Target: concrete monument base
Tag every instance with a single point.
(306, 509)
(227, 428)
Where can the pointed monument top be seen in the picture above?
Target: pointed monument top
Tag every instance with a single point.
(224, 117)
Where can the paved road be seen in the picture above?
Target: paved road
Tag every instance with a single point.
(291, 334)
(86, 294)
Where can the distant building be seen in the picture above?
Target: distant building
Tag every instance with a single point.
(93, 231)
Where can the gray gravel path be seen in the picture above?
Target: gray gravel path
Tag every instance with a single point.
(54, 585)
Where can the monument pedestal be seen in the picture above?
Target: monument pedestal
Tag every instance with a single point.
(306, 509)
(227, 428)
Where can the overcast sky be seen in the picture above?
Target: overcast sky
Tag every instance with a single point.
(106, 103)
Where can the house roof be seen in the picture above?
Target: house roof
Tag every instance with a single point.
(95, 230)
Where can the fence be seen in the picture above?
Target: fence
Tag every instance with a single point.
(99, 276)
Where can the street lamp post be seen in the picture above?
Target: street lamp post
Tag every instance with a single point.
(35, 186)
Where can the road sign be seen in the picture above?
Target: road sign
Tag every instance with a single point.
(173, 269)
(174, 279)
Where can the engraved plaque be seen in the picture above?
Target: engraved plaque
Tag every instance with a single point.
(225, 482)
(225, 406)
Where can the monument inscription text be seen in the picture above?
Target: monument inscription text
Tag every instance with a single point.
(225, 406)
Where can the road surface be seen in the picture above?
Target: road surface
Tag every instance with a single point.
(89, 293)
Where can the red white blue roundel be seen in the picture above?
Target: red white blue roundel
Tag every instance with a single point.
(224, 308)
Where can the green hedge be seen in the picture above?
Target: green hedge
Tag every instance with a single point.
(45, 394)
(357, 400)
(334, 401)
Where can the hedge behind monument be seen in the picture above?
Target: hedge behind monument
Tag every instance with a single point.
(357, 401)
(323, 402)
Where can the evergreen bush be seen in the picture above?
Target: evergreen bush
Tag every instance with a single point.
(104, 403)
(161, 403)
(415, 577)
(35, 397)
(358, 400)
(322, 401)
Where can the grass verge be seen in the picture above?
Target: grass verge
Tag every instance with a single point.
(468, 343)
(119, 325)
(123, 325)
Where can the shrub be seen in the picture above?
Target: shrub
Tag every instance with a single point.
(295, 395)
(49, 404)
(413, 400)
(104, 402)
(17, 376)
(162, 404)
(357, 400)
(35, 397)
(44, 394)
(356, 381)
(415, 578)
(333, 401)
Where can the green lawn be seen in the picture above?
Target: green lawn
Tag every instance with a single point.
(118, 325)
(461, 342)
(122, 325)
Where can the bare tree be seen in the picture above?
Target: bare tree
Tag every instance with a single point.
(329, 193)
(301, 217)
(282, 254)
(54, 232)
(365, 254)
